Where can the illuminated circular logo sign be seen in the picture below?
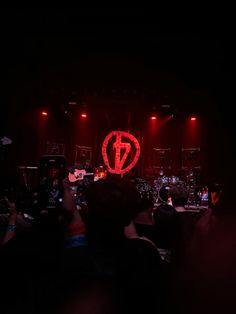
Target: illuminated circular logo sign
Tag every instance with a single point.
(122, 151)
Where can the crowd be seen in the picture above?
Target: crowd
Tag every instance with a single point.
(119, 252)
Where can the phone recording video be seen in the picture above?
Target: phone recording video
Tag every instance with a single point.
(51, 174)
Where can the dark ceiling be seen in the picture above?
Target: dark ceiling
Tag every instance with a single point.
(116, 56)
(61, 53)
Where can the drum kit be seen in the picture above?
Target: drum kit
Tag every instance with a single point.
(170, 181)
(189, 182)
(166, 181)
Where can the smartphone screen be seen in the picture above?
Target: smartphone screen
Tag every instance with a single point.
(52, 170)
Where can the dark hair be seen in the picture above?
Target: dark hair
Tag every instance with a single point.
(112, 204)
(179, 195)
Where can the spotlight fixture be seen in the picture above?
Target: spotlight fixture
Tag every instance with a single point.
(83, 115)
(153, 113)
(193, 118)
(44, 113)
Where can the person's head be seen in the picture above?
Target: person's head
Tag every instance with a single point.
(112, 204)
(87, 165)
(179, 195)
(222, 194)
(54, 173)
(215, 192)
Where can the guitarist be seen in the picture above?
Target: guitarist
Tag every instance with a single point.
(78, 184)
(76, 173)
(87, 166)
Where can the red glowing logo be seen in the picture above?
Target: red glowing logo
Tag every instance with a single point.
(119, 146)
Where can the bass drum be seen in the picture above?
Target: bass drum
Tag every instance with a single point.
(163, 195)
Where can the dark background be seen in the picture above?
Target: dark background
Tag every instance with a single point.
(117, 64)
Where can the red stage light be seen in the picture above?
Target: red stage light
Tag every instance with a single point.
(44, 113)
(153, 117)
(84, 115)
(193, 118)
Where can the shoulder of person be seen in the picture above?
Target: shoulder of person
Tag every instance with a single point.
(143, 248)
